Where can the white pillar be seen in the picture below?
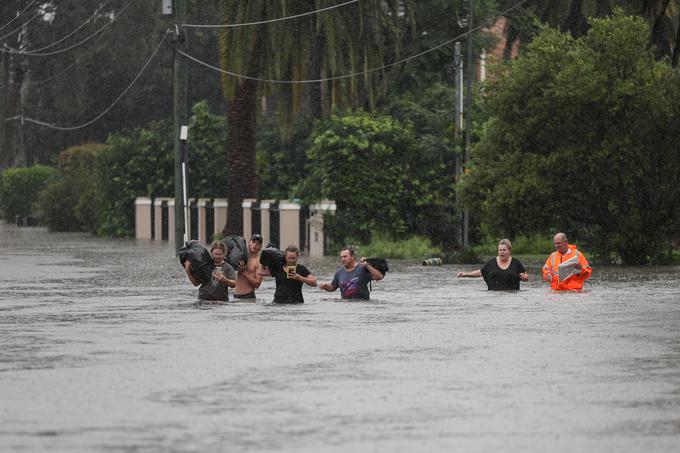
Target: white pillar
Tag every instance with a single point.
(171, 220)
(289, 224)
(220, 206)
(265, 220)
(248, 217)
(316, 217)
(158, 218)
(143, 218)
(202, 230)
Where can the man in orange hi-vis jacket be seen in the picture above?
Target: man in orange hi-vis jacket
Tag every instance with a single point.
(580, 270)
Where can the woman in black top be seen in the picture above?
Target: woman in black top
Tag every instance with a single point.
(503, 272)
(289, 278)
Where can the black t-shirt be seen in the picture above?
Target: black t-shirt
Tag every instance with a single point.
(501, 279)
(288, 291)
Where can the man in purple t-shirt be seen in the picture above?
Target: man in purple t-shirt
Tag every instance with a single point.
(352, 278)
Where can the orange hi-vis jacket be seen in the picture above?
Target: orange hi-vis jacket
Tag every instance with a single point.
(575, 282)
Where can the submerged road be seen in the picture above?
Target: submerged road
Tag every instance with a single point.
(103, 348)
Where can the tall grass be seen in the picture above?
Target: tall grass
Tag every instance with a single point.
(415, 247)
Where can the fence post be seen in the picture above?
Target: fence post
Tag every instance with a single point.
(265, 220)
(289, 224)
(220, 206)
(200, 204)
(143, 218)
(248, 217)
(171, 220)
(316, 237)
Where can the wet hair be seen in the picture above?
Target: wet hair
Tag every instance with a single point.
(349, 248)
(293, 249)
(218, 245)
(507, 243)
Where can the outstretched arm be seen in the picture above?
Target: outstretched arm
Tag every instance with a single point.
(473, 274)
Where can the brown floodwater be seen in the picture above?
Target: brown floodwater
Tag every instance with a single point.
(104, 348)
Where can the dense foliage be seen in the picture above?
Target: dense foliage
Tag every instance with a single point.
(583, 138)
(19, 188)
(70, 203)
(140, 163)
(364, 162)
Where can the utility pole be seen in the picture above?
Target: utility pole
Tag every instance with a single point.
(468, 116)
(458, 123)
(179, 91)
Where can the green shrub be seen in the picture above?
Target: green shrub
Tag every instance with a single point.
(364, 162)
(19, 188)
(69, 203)
(140, 163)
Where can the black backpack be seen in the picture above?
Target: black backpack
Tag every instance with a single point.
(379, 264)
(202, 264)
(271, 257)
(237, 250)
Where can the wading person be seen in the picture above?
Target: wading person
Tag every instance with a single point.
(248, 279)
(352, 278)
(566, 268)
(501, 273)
(223, 276)
(289, 278)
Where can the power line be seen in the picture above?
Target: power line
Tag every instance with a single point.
(39, 13)
(54, 43)
(72, 128)
(355, 74)
(75, 62)
(46, 54)
(245, 24)
(18, 15)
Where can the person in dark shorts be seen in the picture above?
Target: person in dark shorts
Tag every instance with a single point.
(289, 278)
(502, 272)
(223, 276)
(353, 277)
(247, 276)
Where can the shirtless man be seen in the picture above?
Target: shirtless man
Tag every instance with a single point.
(247, 278)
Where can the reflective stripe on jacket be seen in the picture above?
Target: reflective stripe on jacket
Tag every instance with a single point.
(575, 282)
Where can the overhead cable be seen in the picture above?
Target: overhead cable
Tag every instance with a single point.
(75, 62)
(261, 22)
(18, 15)
(39, 13)
(355, 74)
(23, 119)
(52, 44)
(66, 49)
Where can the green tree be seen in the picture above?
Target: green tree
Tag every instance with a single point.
(582, 137)
(19, 189)
(348, 39)
(365, 163)
(69, 202)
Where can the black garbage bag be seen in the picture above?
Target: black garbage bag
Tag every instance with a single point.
(379, 263)
(237, 250)
(201, 261)
(272, 257)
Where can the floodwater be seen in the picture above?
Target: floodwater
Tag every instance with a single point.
(103, 348)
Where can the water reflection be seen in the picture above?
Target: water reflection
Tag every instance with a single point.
(103, 346)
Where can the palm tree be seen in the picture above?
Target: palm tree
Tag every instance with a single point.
(350, 39)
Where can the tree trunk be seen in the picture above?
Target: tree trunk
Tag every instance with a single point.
(315, 95)
(657, 39)
(242, 178)
(12, 153)
(576, 23)
(676, 48)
